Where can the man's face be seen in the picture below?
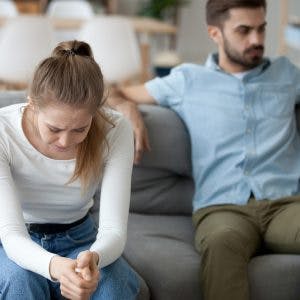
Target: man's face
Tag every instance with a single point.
(241, 38)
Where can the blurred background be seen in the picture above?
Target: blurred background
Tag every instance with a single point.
(133, 40)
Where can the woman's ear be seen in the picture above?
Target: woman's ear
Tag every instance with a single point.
(30, 103)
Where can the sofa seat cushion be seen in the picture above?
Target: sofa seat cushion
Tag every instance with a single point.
(160, 249)
(275, 277)
(144, 293)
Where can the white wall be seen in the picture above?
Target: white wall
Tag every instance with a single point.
(193, 42)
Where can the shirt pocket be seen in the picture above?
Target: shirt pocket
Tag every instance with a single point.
(278, 101)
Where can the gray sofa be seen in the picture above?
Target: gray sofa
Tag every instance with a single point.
(160, 231)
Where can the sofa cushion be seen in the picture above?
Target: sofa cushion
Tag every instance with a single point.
(12, 97)
(169, 140)
(275, 277)
(165, 194)
(160, 249)
(144, 293)
(161, 182)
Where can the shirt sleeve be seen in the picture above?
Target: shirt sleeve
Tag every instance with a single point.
(294, 73)
(13, 233)
(298, 87)
(115, 194)
(168, 91)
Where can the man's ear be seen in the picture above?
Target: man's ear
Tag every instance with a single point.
(215, 33)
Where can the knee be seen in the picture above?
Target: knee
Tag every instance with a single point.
(19, 275)
(119, 281)
(225, 239)
(18, 281)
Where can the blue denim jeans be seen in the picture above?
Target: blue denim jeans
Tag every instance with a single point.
(117, 280)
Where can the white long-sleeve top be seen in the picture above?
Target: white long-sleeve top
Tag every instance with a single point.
(33, 190)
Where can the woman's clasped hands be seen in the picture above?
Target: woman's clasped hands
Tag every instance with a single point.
(79, 277)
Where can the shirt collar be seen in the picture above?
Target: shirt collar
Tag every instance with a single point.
(212, 62)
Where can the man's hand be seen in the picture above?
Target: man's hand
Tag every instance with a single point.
(141, 139)
(124, 100)
(76, 282)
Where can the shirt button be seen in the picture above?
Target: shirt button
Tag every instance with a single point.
(248, 131)
(246, 173)
(247, 107)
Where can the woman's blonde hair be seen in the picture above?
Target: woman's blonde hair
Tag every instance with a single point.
(71, 76)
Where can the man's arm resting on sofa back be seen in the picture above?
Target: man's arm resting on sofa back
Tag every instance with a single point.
(125, 100)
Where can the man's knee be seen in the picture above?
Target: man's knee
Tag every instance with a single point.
(224, 240)
(283, 232)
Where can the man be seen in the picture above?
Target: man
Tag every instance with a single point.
(239, 111)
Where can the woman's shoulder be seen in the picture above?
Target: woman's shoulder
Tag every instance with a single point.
(118, 125)
(10, 115)
(10, 120)
(12, 107)
(116, 118)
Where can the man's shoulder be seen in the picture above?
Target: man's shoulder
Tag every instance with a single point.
(282, 61)
(282, 66)
(188, 71)
(190, 67)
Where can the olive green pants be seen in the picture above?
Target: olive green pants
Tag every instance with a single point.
(227, 236)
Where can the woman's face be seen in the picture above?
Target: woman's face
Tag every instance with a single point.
(63, 127)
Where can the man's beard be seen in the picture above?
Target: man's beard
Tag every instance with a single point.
(242, 59)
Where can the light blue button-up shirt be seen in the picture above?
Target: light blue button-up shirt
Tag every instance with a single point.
(243, 131)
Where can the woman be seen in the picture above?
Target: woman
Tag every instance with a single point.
(54, 152)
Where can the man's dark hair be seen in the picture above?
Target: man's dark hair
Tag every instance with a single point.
(217, 11)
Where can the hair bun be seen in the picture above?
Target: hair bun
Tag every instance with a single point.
(72, 48)
(71, 52)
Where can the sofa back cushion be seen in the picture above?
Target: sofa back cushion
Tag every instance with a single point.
(12, 97)
(161, 182)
